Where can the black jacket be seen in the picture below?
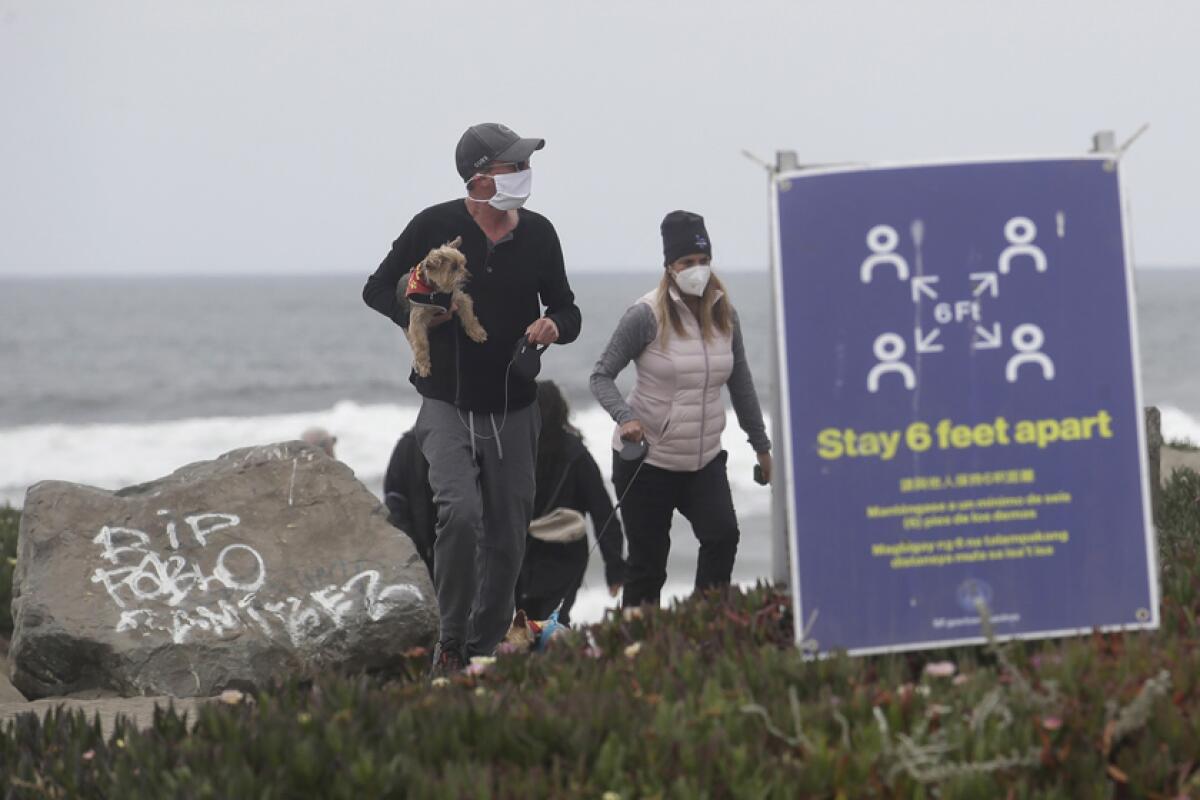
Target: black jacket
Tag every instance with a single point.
(583, 490)
(509, 283)
(409, 499)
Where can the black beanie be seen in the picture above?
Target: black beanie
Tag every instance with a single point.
(683, 234)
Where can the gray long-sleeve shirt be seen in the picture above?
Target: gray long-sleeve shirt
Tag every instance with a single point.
(635, 332)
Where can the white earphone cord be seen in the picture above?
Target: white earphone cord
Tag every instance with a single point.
(495, 431)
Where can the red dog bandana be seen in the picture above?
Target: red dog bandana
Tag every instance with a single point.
(417, 284)
(420, 293)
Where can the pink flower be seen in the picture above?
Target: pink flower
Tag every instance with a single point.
(941, 669)
(480, 664)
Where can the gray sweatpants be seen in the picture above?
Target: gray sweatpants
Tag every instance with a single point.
(484, 497)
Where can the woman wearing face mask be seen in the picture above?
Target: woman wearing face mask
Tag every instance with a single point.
(686, 343)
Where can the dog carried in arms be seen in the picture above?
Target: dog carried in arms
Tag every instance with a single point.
(434, 288)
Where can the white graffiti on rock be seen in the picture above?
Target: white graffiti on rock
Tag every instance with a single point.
(180, 596)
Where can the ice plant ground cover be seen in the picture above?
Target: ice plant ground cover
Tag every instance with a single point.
(708, 699)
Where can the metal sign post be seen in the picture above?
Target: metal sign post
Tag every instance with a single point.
(785, 160)
(780, 556)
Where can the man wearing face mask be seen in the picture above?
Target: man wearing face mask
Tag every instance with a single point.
(686, 343)
(478, 424)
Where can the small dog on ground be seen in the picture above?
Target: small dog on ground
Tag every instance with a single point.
(527, 635)
(520, 637)
(443, 270)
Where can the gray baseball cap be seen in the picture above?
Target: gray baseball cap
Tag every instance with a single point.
(490, 141)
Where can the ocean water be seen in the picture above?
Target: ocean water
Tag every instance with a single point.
(110, 382)
(119, 380)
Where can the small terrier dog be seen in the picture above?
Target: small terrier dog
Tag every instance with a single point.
(526, 635)
(443, 270)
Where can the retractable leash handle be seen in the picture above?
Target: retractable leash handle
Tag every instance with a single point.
(527, 358)
(759, 477)
(634, 451)
(526, 362)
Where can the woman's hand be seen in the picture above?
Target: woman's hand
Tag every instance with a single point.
(632, 431)
(614, 590)
(764, 461)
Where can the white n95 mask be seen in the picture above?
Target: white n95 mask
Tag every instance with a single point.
(693, 280)
(512, 190)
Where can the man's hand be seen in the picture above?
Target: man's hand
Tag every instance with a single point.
(444, 316)
(632, 431)
(614, 590)
(544, 331)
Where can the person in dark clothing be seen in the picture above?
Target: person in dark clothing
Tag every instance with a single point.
(409, 498)
(567, 477)
(476, 427)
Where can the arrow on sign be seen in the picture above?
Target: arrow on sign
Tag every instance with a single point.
(988, 340)
(922, 283)
(987, 280)
(925, 343)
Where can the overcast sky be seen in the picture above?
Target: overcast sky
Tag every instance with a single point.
(288, 136)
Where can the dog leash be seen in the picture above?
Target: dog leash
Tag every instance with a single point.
(604, 528)
(526, 351)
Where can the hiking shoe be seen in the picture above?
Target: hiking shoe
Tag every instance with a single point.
(448, 659)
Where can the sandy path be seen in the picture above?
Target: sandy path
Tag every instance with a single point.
(140, 709)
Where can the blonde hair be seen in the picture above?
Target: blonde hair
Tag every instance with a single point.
(718, 315)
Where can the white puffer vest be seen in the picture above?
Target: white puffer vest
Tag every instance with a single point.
(677, 394)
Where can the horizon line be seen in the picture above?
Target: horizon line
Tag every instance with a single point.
(590, 270)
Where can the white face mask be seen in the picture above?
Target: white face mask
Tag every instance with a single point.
(512, 190)
(693, 280)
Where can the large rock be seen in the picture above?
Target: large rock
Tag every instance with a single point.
(266, 562)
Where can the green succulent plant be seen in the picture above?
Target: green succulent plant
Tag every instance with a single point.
(708, 699)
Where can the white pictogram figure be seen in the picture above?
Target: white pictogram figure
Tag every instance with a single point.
(889, 349)
(1028, 340)
(1020, 233)
(882, 239)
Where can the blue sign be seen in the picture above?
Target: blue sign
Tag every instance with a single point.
(962, 412)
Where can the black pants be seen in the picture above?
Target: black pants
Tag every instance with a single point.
(704, 499)
(551, 575)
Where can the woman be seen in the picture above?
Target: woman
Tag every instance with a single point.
(686, 343)
(567, 477)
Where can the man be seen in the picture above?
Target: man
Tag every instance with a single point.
(477, 426)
